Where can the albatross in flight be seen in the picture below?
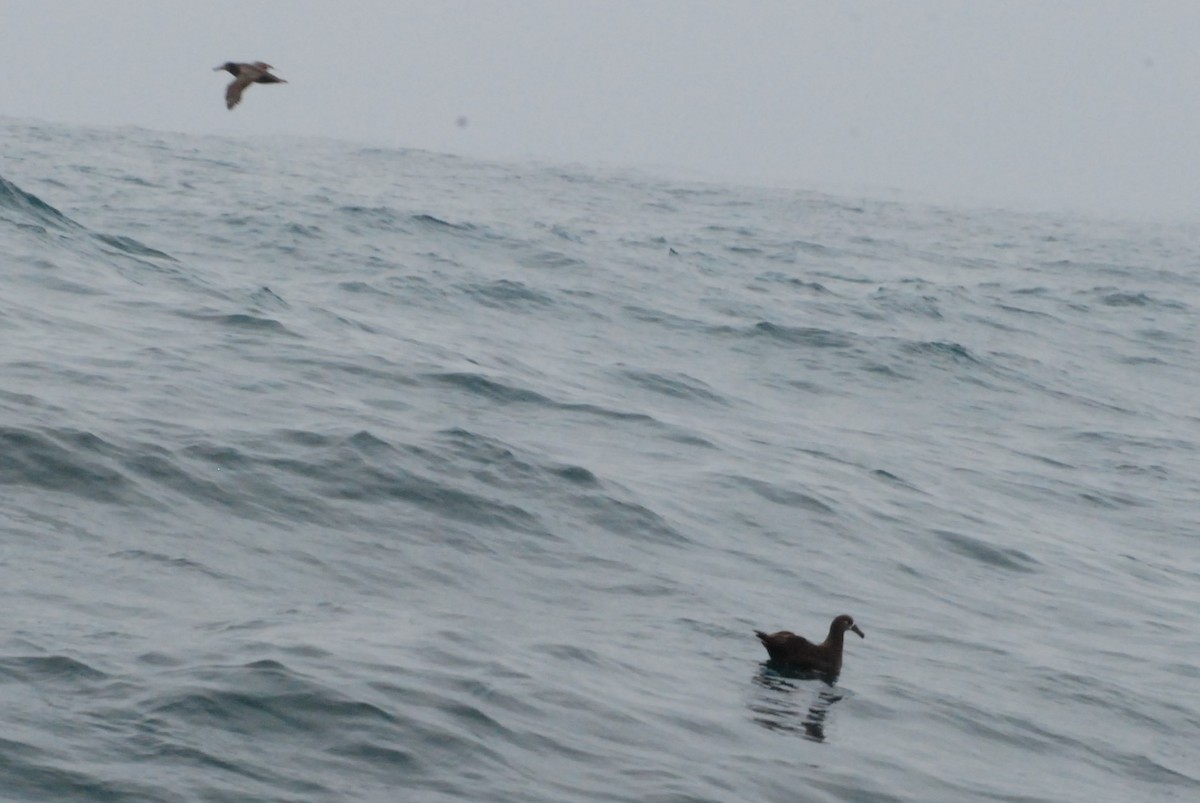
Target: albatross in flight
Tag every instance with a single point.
(243, 76)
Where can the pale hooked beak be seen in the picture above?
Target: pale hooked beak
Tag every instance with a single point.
(856, 630)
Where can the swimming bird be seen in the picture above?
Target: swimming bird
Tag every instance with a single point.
(243, 76)
(789, 651)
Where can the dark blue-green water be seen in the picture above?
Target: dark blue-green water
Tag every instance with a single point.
(335, 473)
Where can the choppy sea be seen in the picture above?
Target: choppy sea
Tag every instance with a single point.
(343, 473)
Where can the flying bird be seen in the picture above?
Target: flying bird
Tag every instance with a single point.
(243, 76)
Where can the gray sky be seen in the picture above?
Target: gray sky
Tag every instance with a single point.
(1088, 105)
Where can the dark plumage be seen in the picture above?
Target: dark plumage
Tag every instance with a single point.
(243, 76)
(789, 651)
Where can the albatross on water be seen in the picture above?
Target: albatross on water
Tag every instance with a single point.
(243, 76)
(789, 651)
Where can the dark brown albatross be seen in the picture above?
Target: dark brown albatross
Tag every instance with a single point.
(243, 76)
(789, 651)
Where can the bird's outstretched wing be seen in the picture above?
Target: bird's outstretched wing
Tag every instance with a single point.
(233, 92)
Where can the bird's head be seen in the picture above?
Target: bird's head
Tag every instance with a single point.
(845, 622)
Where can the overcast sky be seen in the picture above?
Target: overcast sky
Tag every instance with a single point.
(1088, 105)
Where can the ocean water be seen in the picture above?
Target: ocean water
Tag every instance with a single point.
(341, 473)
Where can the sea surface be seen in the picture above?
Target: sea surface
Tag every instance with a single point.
(343, 473)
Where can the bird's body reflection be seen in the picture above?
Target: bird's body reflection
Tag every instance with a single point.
(781, 703)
